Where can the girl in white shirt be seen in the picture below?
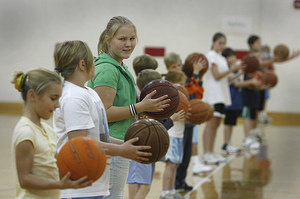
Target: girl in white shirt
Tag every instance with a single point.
(217, 94)
(82, 113)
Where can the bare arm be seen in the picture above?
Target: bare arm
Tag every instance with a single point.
(233, 77)
(114, 113)
(123, 149)
(24, 162)
(217, 75)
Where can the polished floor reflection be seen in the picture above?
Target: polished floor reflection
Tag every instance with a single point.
(273, 172)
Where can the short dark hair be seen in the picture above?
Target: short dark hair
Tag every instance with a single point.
(252, 39)
(228, 52)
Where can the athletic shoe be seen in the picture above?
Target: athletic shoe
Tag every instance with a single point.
(219, 157)
(177, 196)
(256, 134)
(251, 143)
(210, 158)
(183, 187)
(230, 149)
(199, 168)
(264, 118)
(167, 196)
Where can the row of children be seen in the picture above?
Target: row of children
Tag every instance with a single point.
(103, 110)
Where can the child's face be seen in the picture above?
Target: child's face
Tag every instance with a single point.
(231, 59)
(123, 43)
(176, 66)
(256, 45)
(220, 44)
(48, 101)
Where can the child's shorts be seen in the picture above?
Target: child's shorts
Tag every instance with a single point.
(140, 173)
(175, 151)
(231, 117)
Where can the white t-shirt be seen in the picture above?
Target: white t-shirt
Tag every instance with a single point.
(216, 91)
(82, 108)
(177, 130)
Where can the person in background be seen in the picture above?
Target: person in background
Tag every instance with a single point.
(217, 94)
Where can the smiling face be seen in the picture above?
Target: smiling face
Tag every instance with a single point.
(122, 44)
(46, 103)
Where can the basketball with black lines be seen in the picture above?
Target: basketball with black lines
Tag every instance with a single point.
(81, 156)
(150, 133)
(198, 111)
(162, 87)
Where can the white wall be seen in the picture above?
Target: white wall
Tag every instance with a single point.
(29, 30)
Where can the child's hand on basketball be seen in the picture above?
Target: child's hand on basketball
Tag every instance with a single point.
(178, 116)
(133, 152)
(67, 183)
(199, 65)
(154, 105)
(255, 83)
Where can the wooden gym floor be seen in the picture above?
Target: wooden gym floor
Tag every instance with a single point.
(272, 173)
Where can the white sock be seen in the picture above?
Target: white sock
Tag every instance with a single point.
(172, 191)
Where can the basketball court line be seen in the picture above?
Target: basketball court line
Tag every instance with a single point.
(231, 157)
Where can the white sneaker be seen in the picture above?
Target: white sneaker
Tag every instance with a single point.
(230, 149)
(199, 168)
(219, 157)
(209, 158)
(256, 134)
(251, 143)
(264, 118)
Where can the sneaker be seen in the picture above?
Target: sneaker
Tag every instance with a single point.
(183, 187)
(177, 196)
(167, 196)
(199, 168)
(256, 134)
(230, 149)
(251, 143)
(209, 158)
(264, 118)
(219, 157)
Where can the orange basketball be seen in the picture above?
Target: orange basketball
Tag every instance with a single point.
(251, 62)
(270, 78)
(184, 103)
(150, 133)
(259, 75)
(198, 110)
(211, 110)
(183, 90)
(188, 65)
(81, 156)
(281, 51)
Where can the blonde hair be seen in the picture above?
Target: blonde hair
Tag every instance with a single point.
(144, 62)
(175, 76)
(112, 27)
(38, 80)
(171, 58)
(146, 76)
(68, 54)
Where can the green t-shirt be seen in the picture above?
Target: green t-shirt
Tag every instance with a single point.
(110, 73)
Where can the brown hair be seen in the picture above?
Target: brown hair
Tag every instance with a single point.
(144, 62)
(175, 76)
(146, 76)
(68, 54)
